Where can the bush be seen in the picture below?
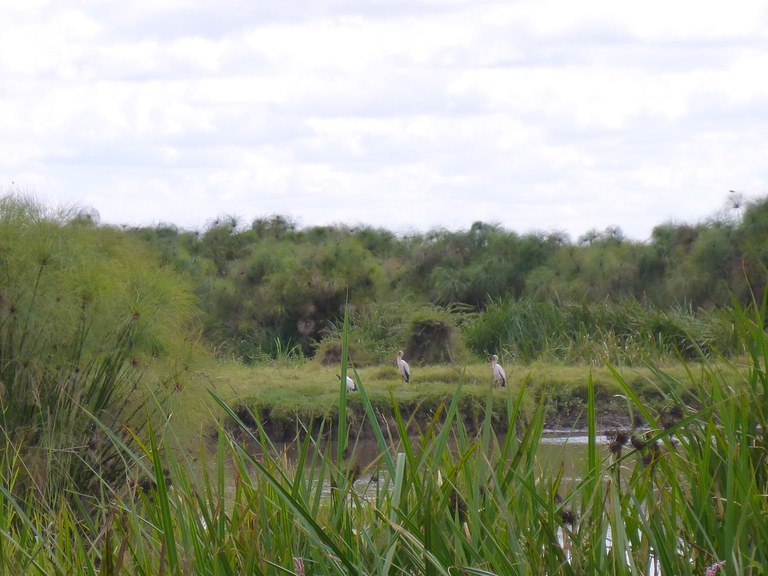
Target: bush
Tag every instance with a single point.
(82, 310)
(431, 338)
(329, 352)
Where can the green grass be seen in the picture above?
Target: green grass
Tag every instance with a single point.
(303, 390)
(678, 497)
(123, 451)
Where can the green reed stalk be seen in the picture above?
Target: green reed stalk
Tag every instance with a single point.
(447, 501)
(342, 439)
(315, 531)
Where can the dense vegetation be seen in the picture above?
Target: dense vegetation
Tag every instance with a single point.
(683, 496)
(82, 311)
(271, 286)
(99, 327)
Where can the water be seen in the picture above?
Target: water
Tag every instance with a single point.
(569, 451)
(556, 451)
(566, 451)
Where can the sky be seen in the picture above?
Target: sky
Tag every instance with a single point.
(539, 116)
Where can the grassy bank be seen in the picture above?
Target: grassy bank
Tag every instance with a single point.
(292, 393)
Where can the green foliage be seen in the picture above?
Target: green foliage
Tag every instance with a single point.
(274, 282)
(82, 311)
(329, 352)
(678, 496)
(519, 329)
(284, 286)
(380, 327)
(621, 332)
(431, 337)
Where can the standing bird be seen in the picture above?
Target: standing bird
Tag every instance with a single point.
(498, 372)
(350, 383)
(402, 365)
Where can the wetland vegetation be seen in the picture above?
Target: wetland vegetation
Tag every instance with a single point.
(153, 380)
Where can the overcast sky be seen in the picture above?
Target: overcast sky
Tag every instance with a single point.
(408, 115)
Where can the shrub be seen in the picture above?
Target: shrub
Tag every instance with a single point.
(82, 311)
(431, 337)
(329, 353)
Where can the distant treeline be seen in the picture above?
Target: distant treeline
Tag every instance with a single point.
(271, 286)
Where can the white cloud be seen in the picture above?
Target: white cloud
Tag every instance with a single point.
(537, 115)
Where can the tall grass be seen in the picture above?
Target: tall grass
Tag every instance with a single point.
(76, 324)
(675, 497)
(623, 333)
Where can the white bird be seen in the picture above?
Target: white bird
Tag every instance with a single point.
(350, 383)
(497, 371)
(402, 365)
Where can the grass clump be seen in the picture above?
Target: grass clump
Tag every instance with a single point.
(83, 312)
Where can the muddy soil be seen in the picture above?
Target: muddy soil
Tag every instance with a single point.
(280, 428)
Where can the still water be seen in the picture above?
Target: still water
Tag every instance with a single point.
(566, 450)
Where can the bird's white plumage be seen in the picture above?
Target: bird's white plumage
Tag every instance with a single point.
(350, 383)
(402, 366)
(499, 377)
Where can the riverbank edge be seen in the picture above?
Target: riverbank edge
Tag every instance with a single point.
(281, 428)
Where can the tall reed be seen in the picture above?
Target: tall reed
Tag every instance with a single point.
(677, 496)
(624, 332)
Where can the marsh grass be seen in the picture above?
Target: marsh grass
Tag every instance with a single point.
(621, 333)
(308, 391)
(681, 494)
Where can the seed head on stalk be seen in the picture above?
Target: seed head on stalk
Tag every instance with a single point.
(712, 570)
